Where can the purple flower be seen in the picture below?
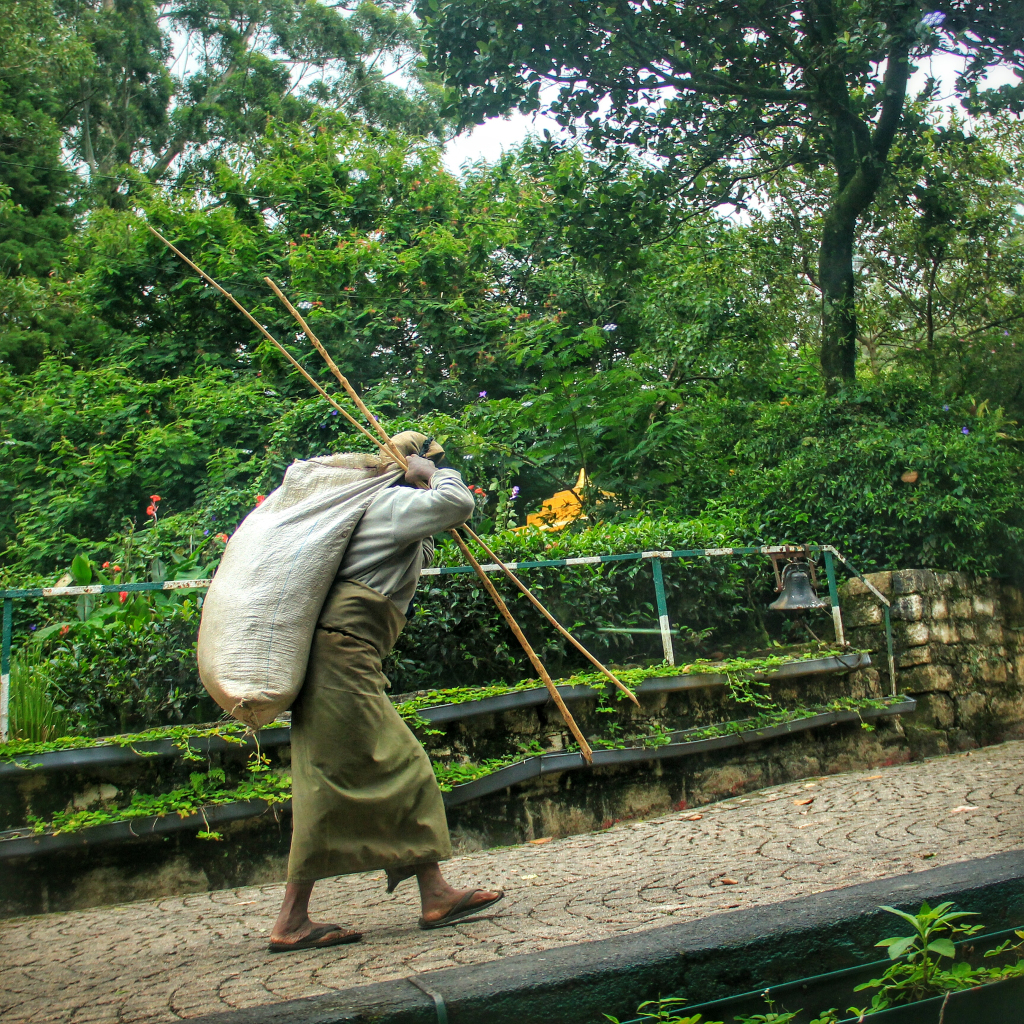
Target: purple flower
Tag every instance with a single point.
(515, 493)
(483, 394)
(965, 430)
(1006, 334)
(32, 628)
(945, 408)
(206, 533)
(334, 412)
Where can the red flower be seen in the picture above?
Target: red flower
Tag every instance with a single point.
(64, 630)
(222, 537)
(260, 498)
(151, 510)
(106, 565)
(123, 594)
(116, 568)
(155, 498)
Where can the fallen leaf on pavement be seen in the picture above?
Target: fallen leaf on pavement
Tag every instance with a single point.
(870, 777)
(537, 842)
(693, 817)
(806, 800)
(729, 881)
(963, 809)
(526, 878)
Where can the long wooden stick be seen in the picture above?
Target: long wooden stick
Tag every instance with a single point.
(538, 665)
(554, 622)
(343, 380)
(266, 334)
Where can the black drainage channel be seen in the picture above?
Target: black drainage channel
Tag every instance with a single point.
(739, 951)
(106, 755)
(110, 754)
(25, 843)
(547, 764)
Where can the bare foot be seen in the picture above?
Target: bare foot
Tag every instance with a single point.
(438, 906)
(294, 930)
(438, 898)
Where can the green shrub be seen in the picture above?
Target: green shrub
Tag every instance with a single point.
(130, 676)
(841, 471)
(35, 712)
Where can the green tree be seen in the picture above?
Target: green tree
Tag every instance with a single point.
(174, 85)
(38, 56)
(724, 95)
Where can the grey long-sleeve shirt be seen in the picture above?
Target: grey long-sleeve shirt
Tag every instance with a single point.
(394, 539)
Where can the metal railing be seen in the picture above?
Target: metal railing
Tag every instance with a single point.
(826, 551)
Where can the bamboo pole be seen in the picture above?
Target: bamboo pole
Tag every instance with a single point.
(554, 622)
(266, 334)
(538, 665)
(343, 380)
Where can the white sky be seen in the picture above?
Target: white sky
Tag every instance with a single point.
(489, 140)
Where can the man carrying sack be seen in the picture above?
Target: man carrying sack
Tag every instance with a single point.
(364, 795)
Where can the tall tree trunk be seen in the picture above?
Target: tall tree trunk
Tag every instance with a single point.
(859, 158)
(838, 311)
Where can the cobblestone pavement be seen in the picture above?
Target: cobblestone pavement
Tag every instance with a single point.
(175, 958)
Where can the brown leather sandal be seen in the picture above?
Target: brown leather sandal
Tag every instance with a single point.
(319, 938)
(461, 909)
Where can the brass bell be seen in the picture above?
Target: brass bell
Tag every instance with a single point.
(797, 593)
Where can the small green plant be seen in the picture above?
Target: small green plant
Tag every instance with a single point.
(34, 714)
(666, 1011)
(918, 972)
(773, 1016)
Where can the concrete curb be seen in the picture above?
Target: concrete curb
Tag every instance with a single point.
(701, 960)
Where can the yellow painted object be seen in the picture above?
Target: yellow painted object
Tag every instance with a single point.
(561, 509)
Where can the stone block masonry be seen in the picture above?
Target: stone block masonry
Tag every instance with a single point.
(959, 643)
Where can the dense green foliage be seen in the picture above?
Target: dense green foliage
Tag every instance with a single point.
(564, 308)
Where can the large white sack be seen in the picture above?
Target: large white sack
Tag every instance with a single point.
(262, 606)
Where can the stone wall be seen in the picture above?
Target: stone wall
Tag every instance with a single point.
(959, 645)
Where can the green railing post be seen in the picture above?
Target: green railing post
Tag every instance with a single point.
(833, 593)
(663, 623)
(5, 669)
(888, 647)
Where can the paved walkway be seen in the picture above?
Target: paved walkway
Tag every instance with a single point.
(176, 958)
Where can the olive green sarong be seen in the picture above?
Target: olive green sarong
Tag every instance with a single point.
(363, 791)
